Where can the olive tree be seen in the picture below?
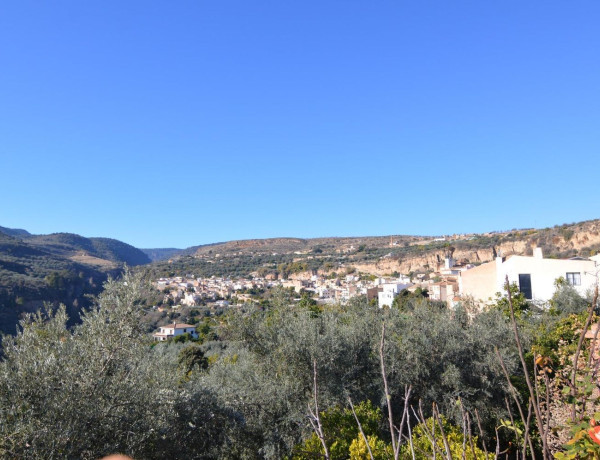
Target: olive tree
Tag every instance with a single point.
(100, 388)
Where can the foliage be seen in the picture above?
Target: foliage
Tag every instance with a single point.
(557, 340)
(206, 330)
(445, 356)
(242, 392)
(30, 275)
(266, 370)
(341, 431)
(459, 445)
(100, 388)
(408, 300)
(520, 304)
(584, 442)
(192, 357)
(306, 302)
(566, 300)
(379, 448)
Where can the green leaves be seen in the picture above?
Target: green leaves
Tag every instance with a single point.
(100, 388)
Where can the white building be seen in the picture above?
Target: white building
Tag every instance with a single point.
(173, 330)
(534, 275)
(191, 299)
(388, 292)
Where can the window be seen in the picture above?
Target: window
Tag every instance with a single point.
(574, 279)
(525, 285)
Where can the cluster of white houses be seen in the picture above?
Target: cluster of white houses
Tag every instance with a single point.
(534, 275)
(191, 291)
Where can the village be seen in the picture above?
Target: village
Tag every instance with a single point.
(450, 282)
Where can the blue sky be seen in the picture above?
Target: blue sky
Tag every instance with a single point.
(170, 124)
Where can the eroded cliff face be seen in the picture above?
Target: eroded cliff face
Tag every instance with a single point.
(575, 239)
(406, 254)
(434, 260)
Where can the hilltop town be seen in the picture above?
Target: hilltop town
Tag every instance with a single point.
(449, 282)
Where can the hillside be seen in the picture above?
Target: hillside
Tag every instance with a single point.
(70, 245)
(30, 276)
(158, 254)
(377, 255)
(18, 232)
(60, 267)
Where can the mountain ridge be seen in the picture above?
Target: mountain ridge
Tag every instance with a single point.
(56, 268)
(70, 245)
(378, 255)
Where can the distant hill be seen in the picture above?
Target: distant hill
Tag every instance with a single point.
(30, 276)
(71, 245)
(55, 268)
(377, 255)
(18, 232)
(161, 253)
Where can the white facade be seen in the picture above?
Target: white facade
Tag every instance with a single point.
(173, 330)
(388, 292)
(535, 276)
(543, 274)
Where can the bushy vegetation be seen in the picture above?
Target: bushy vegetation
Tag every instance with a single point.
(289, 381)
(99, 388)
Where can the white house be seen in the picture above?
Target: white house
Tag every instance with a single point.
(534, 275)
(388, 292)
(191, 299)
(173, 330)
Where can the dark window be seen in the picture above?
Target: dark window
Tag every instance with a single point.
(525, 285)
(574, 279)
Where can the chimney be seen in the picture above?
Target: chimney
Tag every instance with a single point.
(499, 259)
(448, 262)
(537, 253)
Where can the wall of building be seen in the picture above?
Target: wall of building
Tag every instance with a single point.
(484, 281)
(544, 273)
(479, 282)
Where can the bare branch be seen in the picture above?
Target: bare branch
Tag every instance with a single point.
(410, 441)
(405, 415)
(314, 417)
(470, 436)
(443, 433)
(360, 428)
(388, 398)
(532, 393)
(481, 433)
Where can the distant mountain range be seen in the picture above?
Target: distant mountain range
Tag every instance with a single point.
(65, 267)
(162, 253)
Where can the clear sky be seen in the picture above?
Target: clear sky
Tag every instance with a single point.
(172, 123)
